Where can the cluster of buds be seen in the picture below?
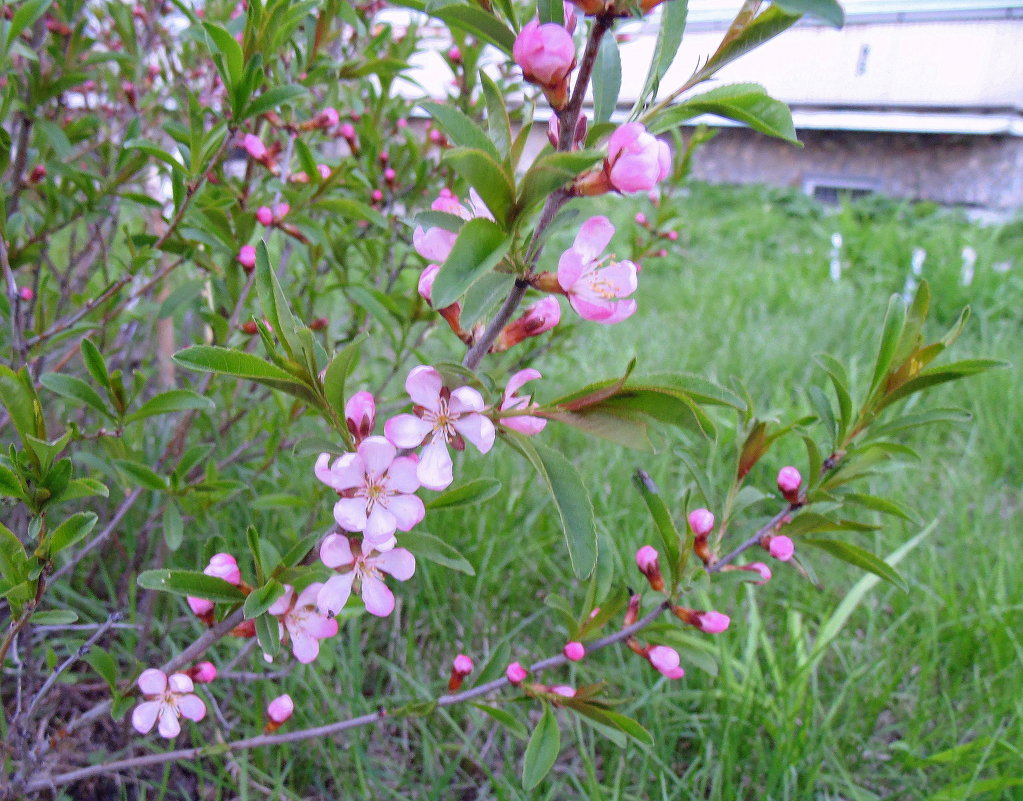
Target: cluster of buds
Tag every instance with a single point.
(267, 216)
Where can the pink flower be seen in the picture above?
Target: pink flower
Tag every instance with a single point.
(462, 664)
(641, 218)
(539, 318)
(525, 424)
(515, 673)
(361, 415)
(377, 195)
(781, 548)
(713, 622)
(376, 487)
(337, 552)
(304, 623)
(592, 290)
(26, 293)
(167, 699)
(429, 275)
(701, 521)
(401, 123)
(281, 211)
(347, 131)
(247, 257)
(666, 660)
(254, 147)
(454, 54)
(789, 482)
(300, 177)
(280, 709)
(204, 672)
(324, 171)
(636, 160)
(762, 569)
(200, 606)
(574, 651)
(264, 215)
(564, 690)
(443, 417)
(224, 566)
(328, 118)
(435, 243)
(390, 175)
(546, 53)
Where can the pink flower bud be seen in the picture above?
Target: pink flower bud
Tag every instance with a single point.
(280, 709)
(636, 160)
(264, 215)
(640, 218)
(360, 415)
(435, 136)
(789, 482)
(204, 672)
(662, 253)
(254, 147)
(462, 664)
(328, 117)
(646, 558)
(454, 54)
(390, 175)
(666, 660)
(781, 548)
(563, 690)
(347, 131)
(515, 673)
(762, 569)
(546, 53)
(574, 651)
(701, 521)
(26, 293)
(281, 211)
(401, 123)
(377, 195)
(429, 275)
(672, 235)
(324, 171)
(200, 606)
(247, 257)
(713, 622)
(539, 318)
(224, 566)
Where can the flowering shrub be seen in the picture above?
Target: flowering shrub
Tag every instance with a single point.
(225, 234)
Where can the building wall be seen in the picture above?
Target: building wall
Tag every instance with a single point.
(984, 171)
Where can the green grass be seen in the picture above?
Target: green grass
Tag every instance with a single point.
(743, 297)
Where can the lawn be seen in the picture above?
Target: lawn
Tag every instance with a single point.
(854, 690)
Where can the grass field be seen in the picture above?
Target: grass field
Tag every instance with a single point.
(885, 695)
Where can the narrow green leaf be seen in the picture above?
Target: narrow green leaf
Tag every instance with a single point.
(747, 103)
(669, 38)
(190, 582)
(68, 386)
(484, 173)
(95, 363)
(175, 400)
(71, 531)
(268, 634)
(55, 617)
(272, 99)
(275, 304)
(859, 557)
(142, 476)
(173, 527)
(433, 549)
(348, 209)
(479, 247)
(676, 553)
(498, 123)
(542, 750)
(827, 10)
(258, 601)
(103, 663)
(506, 719)
(224, 44)
(475, 491)
(607, 79)
(614, 720)
(891, 331)
(461, 129)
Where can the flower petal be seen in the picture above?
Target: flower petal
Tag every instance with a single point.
(143, 718)
(521, 377)
(377, 454)
(399, 563)
(466, 399)
(401, 477)
(525, 424)
(594, 235)
(169, 726)
(476, 428)
(179, 683)
(347, 472)
(336, 551)
(623, 309)
(380, 525)
(283, 604)
(434, 468)
(350, 513)
(378, 599)
(304, 646)
(191, 706)
(423, 386)
(570, 269)
(152, 682)
(407, 430)
(408, 510)
(334, 594)
(308, 596)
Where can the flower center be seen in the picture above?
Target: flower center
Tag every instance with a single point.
(442, 419)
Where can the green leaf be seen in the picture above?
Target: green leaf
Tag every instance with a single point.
(103, 663)
(175, 400)
(55, 617)
(70, 531)
(190, 582)
(882, 505)
(95, 363)
(891, 331)
(157, 152)
(479, 247)
(615, 721)
(470, 19)
(22, 404)
(142, 476)
(460, 128)
(223, 44)
(828, 10)
(215, 359)
(575, 510)
(675, 553)
(433, 549)
(746, 34)
(747, 103)
(506, 719)
(173, 528)
(275, 304)
(498, 123)
(338, 371)
(26, 16)
(607, 79)
(258, 601)
(550, 11)
(487, 176)
(273, 98)
(542, 750)
(472, 492)
(940, 375)
(669, 37)
(268, 634)
(551, 172)
(10, 485)
(859, 557)
(67, 386)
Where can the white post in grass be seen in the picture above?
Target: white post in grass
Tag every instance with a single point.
(836, 256)
(969, 261)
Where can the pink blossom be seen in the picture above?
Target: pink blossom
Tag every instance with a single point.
(168, 698)
(328, 118)
(525, 424)
(426, 279)
(641, 218)
(204, 672)
(200, 606)
(646, 558)
(713, 622)
(347, 131)
(539, 318)
(515, 673)
(564, 690)
(300, 177)
(361, 415)
(337, 552)
(545, 52)
(26, 293)
(303, 621)
(454, 54)
(789, 481)
(281, 211)
(574, 651)
(781, 548)
(595, 291)
(435, 136)
(324, 171)
(666, 660)
(390, 175)
(462, 664)
(701, 521)
(280, 709)
(376, 487)
(264, 215)
(762, 569)
(377, 195)
(401, 123)
(570, 18)
(254, 147)
(442, 417)
(247, 257)
(636, 160)
(435, 243)
(224, 566)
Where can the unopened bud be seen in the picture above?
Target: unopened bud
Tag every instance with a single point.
(789, 482)
(574, 651)
(264, 215)
(515, 673)
(247, 258)
(204, 672)
(460, 668)
(707, 622)
(647, 561)
(279, 710)
(701, 521)
(781, 548)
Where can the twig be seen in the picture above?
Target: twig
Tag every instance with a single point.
(755, 539)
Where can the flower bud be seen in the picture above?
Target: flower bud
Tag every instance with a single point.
(762, 569)
(360, 415)
(347, 131)
(454, 54)
(666, 661)
(701, 521)
(254, 147)
(327, 118)
(460, 668)
(539, 318)
(401, 123)
(390, 175)
(647, 561)
(564, 690)
(264, 215)
(789, 482)
(224, 566)
(426, 279)
(26, 293)
(203, 673)
(318, 324)
(781, 548)
(279, 710)
(281, 211)
(515, 673)
(247, 257)
(546, 54)
(641, 218)
(37, 174)
(324, 171)
(201, 608)
(632, 610)
(574, 651)
(377, 195)
(636, 160)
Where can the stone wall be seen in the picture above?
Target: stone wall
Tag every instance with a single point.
(981, 171)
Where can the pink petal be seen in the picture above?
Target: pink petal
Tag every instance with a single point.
(623, 137)
(143, 718)
(283, 604)
(594, 235)
(169, 726)
(336, 551)
(434, 468)
(433, 244)
(525, 424)
(623, 309)
(378, 599)
(347, 472)
(570, 269)
(466, 399)
(308, 596)
(335, 592)
(399, 563)
(304, 646)
(321, 627)
(152, 682)
(380, 525)
(423, 386)
(377, 454)
(191, 706)
(350, 513)
(521, 377)
(401, 477)
(476, 428)
(408, 510)
(621, 275)
(407, 430)
(179, 683)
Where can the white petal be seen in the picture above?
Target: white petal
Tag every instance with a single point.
(407, 430)
(476, 428)
(466, 399)
(347, 472)
(152, 682)
(380, 525)
(169, 726)
(144, 716)
(408, 510)
(401, 477)
(434, 469)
